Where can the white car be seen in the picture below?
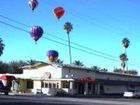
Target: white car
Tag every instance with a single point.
(131, 94)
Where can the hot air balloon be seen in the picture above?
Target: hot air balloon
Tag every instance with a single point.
(52, 55)
(36, 32)
(33, 4)
(59, 12)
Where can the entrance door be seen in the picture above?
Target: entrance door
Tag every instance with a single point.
(81, 88)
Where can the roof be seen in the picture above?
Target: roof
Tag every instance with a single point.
(38, 65)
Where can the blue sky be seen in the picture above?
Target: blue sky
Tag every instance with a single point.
(97, 24)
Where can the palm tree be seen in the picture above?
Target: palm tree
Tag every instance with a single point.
(123, 58)
(1, 46)
(59, 61)
(68, 27)
(78, 63)
(125, 43)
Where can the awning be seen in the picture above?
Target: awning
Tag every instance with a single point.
(7, 77)
(85, 79)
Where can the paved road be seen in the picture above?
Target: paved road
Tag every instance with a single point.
(43, 100)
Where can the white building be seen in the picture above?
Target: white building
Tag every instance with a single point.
(52, 79)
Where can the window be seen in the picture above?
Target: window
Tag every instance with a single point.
(42, 84)
(54, 85)
(65, 84)
(29, 84)
(50, 85)
(57, 85)
(46, 85)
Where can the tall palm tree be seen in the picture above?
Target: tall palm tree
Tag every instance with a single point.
(1, 46)
(68, 27)
(125, 43)
(123, 58)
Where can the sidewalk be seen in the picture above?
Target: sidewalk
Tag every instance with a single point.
(26, 94)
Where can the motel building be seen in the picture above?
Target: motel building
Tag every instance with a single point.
(53, 79)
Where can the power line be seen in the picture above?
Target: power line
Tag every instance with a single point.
(80, 49)
(13, 26)
(21, 29)
(12, 20)
(58, 42)
(59, 37)
(82, 46)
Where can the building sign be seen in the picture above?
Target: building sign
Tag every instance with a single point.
(46, 75)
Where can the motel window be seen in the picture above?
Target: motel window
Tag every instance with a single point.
(54, 85)
(132, 86)
(57, 85)
(75, 85)
(29, 84)
(65, 84)
(69, 70)
(42, 84)
(50, 85)
(46, 85)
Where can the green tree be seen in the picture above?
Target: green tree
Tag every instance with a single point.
(116, 70)
(16, 67)
(95, 68)
(78, 63)
(1, 46)
(59, 61)
(4, 67)
(32, 62)
(104, 70)
(132, 72)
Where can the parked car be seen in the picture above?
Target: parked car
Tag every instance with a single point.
(132, 94)
(4, 89)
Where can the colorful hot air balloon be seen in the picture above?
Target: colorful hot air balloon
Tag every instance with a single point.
(52, 55)
(59, 12)
(36, 32)
(33, 4)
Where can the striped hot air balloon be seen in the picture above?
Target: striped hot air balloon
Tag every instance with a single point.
(36, 32)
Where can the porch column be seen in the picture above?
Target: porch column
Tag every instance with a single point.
(97, 88)
(86, 88)
(92, 89)
(71, 91)
(60, 84)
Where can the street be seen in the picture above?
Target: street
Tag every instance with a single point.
(44, 100)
